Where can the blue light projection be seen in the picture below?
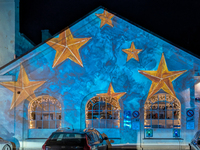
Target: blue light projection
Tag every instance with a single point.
(85, 59)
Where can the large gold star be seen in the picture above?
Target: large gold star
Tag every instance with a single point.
(67, 47)
(111, 93)
(162, 78)
(23, 88)
(132, 52)
(105, 18)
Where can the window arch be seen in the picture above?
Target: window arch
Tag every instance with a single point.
(102, 112)
(44, 113)
(162, 111)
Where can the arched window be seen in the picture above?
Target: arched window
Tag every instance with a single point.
(162, 111)
(102, 112)
(44, 113)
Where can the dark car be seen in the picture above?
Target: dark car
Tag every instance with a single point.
(66, 139)
(195, 143)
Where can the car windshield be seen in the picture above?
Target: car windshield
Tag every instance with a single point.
(68, 139)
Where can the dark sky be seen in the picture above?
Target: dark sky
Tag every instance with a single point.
(177, 21)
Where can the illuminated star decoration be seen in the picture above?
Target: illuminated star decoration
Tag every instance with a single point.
(22, 88)
(111, 93)
(162, 78)
(132, 52)
(105, 18)
(67, 47)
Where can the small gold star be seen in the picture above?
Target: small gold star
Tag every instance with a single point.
(132, 52)
(105, 18)
(111, 93)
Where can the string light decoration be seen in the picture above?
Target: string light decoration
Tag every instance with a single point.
(162, 111)
(44, 112)
(102, 112)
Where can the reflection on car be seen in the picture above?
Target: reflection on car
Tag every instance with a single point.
(65, 138)
(195, 143)
(5, 145)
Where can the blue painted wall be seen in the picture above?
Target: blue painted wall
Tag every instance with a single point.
(103, 62)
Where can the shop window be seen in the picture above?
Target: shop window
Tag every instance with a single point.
(44, 113)
(102, 112)
(162, 111)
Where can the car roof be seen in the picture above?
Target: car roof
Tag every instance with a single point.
(68, 130)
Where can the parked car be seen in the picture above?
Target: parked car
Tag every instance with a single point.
(195, 143)
(5, 145)
(87, 139)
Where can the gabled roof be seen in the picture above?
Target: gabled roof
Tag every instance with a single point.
(81, 24)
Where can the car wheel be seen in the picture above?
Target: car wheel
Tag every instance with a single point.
(6, 147)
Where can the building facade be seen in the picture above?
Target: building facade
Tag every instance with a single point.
(106, 73)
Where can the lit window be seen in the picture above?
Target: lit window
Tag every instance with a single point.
(162, 111)
(102, 112)
(44, 113)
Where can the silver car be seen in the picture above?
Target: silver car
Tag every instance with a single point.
(5, 145)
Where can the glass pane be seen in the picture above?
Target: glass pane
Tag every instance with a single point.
(95, 99)
(154, 114)
(147, 115)
(169, 98)
(95, 123)
(161, 97)
(109, 115)
(45, 124)
(45, 106)
(95, 114)
(32, 115)
(110, 123)
(116, 124)
(39, 107)
(147, 123)
(39, 124)
(169, 115)
(161, 114)
(58, 124)
(46, 116)
(103, 106)
(155, 106)
(168, 106)
(102, 123)
(58, 107)
(154, 123)
(154, 99)
(176, 104)
(52, 125)
(38, 115)
(89, 105)
(177, 114)
(103, 114)
(52, 116)
(109, 106)
(96, 106)
(52, 107)
(169, 123)
(88, 115)
(88, 123)
(161, 105)
(147, 105)
(32, 124)
(58, 116)
(116, 115)
(177, 124)
(161, 123)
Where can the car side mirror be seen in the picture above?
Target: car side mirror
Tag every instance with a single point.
(105, 138)
(198, 142)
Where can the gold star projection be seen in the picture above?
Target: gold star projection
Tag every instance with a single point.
(162, 78)
(67, 46)
(132, 52)
(23, 88)
(111, 93)
(105, 18)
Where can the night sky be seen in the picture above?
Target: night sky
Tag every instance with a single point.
(177, 21)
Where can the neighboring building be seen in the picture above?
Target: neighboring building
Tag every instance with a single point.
(107, 73)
